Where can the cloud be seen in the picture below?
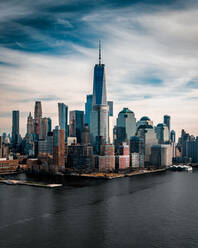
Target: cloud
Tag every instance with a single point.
(149, 48)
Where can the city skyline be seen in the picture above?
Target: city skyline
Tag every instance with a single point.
(150, 58)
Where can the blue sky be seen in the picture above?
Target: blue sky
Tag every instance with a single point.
(48, 50)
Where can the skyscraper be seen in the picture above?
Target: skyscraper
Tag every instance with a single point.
(99, 117)
(37, 119)
(173, 136)
(43, 128)
(63, 118)
(126, 125)
(88, 108)
(59, 148)
(15, 127)
(30, 125)
(163, 134)
(110, 103)
(49, 124)
(76, 121)
(167, 121)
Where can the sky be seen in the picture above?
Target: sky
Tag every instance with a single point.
(48, 50)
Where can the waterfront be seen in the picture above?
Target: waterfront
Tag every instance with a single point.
(142, 211)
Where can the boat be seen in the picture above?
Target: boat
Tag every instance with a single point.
(180, 167)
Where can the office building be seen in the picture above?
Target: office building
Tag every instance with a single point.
(105, 161)
(167, 121)
(126, 126)
(122, 160)
(30, 125)
(110, 104)
(15, 128)
(49, 124)
(163, 133)
(161, 155)
(173, 136)
(63, 118)
(147, 133)
(59, 149)
(99, 116)
(79, 157)
(43, 128)
(37, 119)
(76, 124)
(88, 109)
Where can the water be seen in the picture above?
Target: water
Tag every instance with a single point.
(144, 211)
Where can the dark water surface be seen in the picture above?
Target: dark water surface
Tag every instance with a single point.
(143, 211)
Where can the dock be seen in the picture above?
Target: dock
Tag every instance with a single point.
(34, 184)
(110, 175)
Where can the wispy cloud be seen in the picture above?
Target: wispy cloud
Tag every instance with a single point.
(149, 47)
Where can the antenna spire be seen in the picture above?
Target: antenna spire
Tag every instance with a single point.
(99, 52)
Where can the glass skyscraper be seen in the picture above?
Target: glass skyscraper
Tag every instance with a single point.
(15, 127)
(99, 117)
(76, 120)
(63, 118)
(88, 108)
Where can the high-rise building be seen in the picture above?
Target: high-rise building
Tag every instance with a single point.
(49, 124)
(85, 135)
(126, 126)
(37, 119)
(99, 116)
(59, 148)
(161, 155)
(76, 124)
(88, 108)
(173, 136)
(43, 128)
(147, 133)
(110, 104)
(167, 121)
(30, 125)
(163, 133)
(15, 127)
(63, 118)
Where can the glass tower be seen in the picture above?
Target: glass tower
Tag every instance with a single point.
(63, 118)
(88, 108)
(15, 127)
(99, 117)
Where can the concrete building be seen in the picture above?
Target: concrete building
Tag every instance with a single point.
(59, 148)
(79, 157)
(126, 126)
(43, 128)
(105, 162)
(85, 135)
(137, 152)
(163, 133)
(167, 121)
(137, 160)
(161, 155)
(148, 134)
(122, 160)
(192, 150)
